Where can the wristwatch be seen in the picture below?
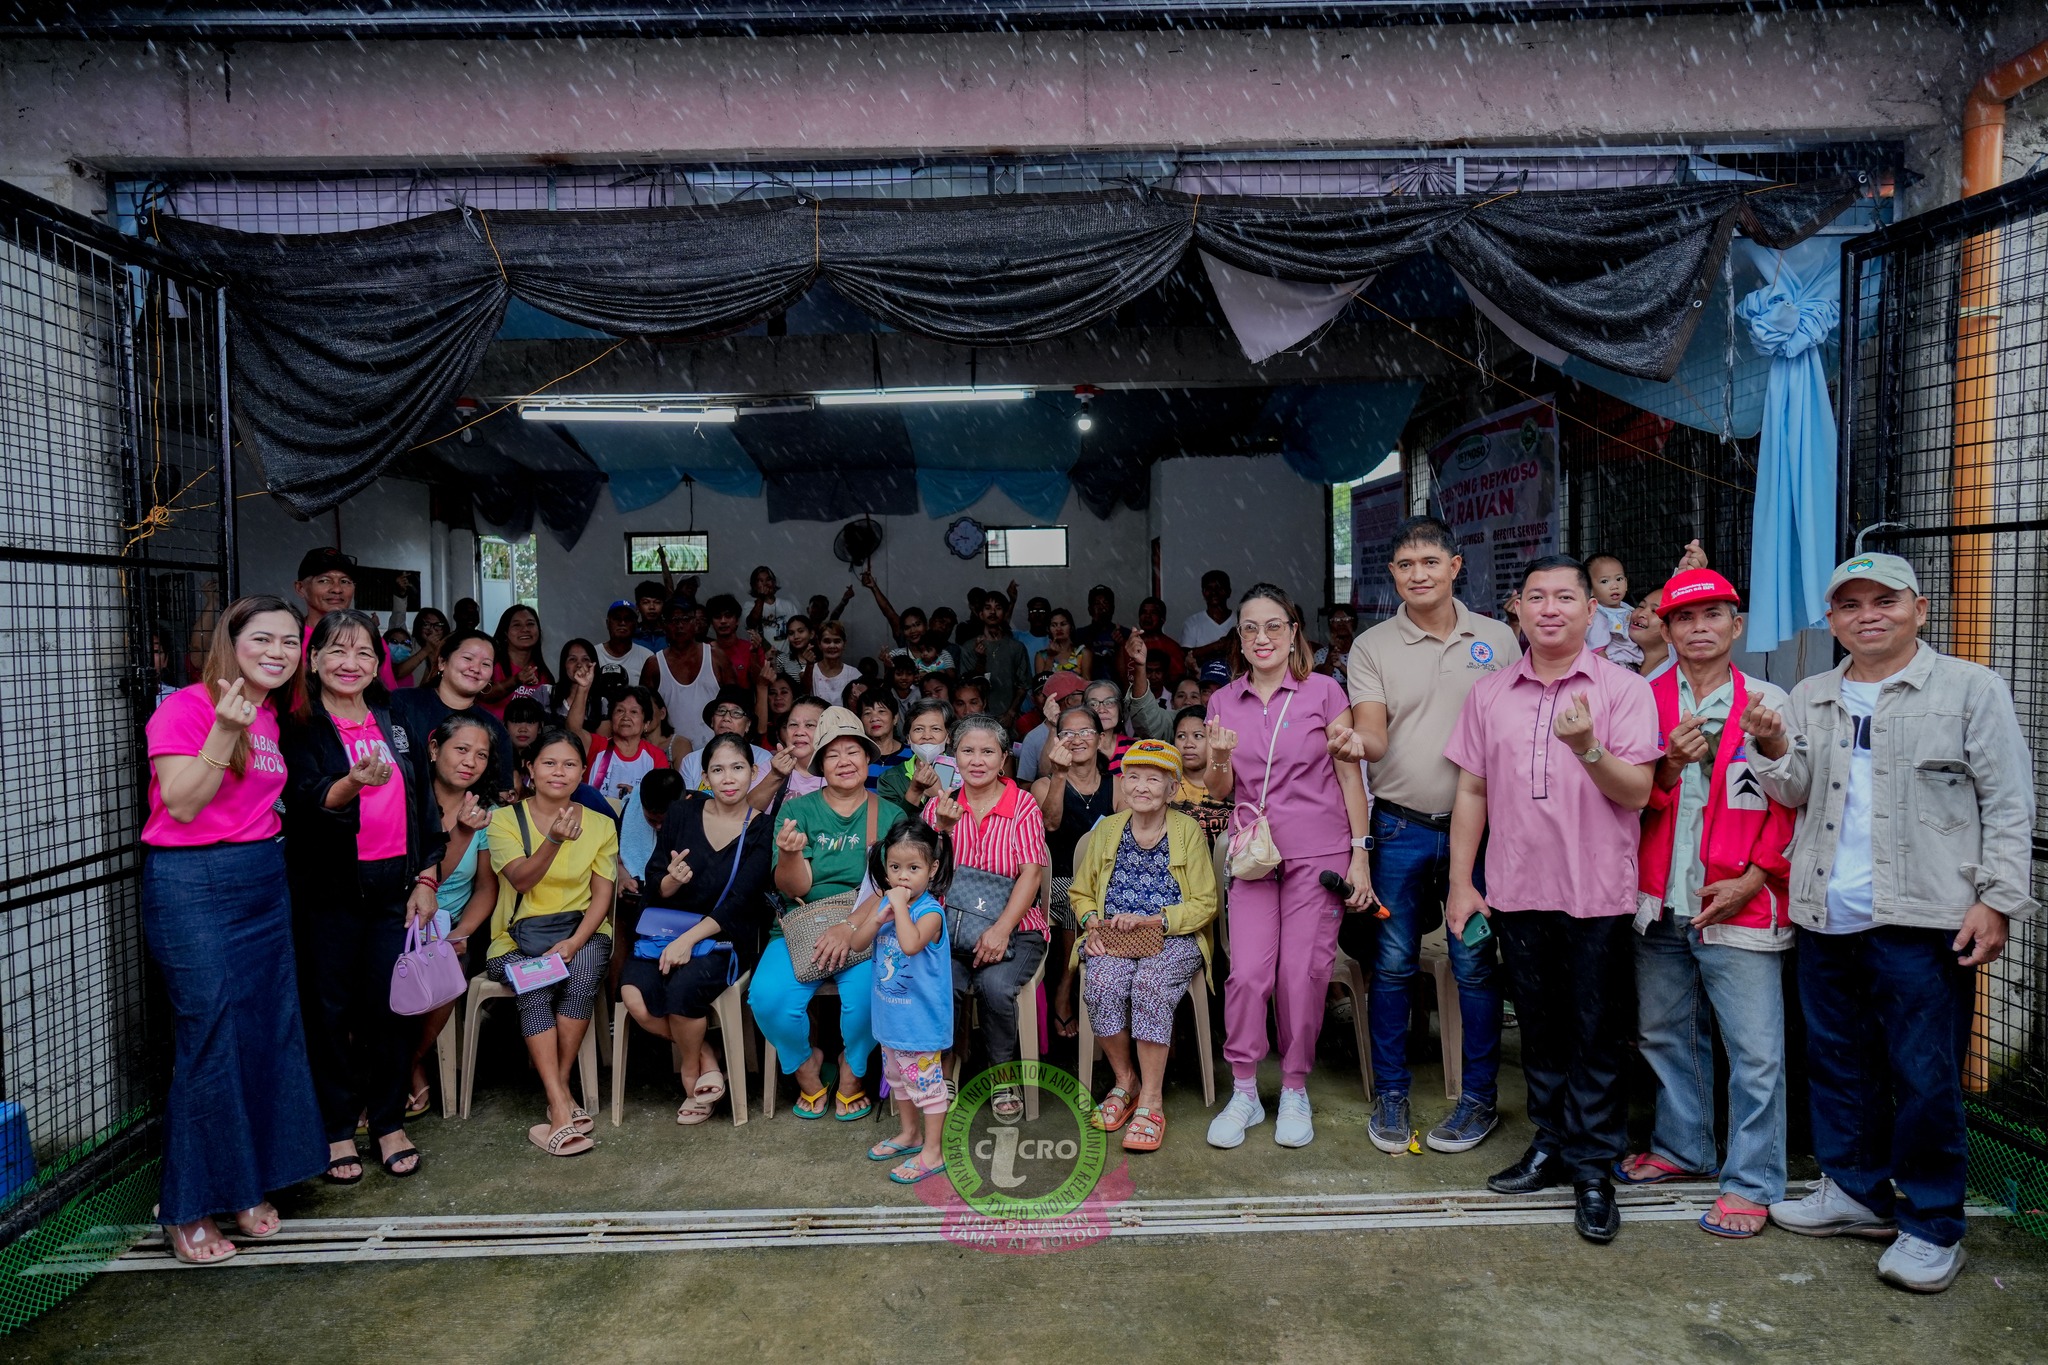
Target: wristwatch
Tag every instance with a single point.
(1365, 843)
(1592, 755)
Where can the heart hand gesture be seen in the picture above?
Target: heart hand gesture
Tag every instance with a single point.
(1687, 742)
(233, 711)
(945, 812)
(1344, 742)
(679, 867)
(1573, 724)
(790, 839)
(369, 771)
(567, 826)
(1765, 728)
(784, 762)
(1222, 741)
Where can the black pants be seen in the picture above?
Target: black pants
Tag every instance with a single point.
(348, 937)
(1571, 985)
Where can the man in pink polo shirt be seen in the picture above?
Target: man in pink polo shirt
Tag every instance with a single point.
(1559, 755)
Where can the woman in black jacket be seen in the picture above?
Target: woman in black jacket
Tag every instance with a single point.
(361, 849)
(712, 857)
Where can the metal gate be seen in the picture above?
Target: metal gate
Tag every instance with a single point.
(115, 516)
(1944, 408)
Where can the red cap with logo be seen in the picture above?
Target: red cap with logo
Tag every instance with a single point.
(1694, 586)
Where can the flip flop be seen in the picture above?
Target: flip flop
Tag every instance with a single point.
(1148, 1130)
(391, 1163)
(710, 1087)
(859, 1097)
(1722, 1209)
(890, 1147)
(418, 1104)
(561, 1142)
(1113, 1111)
(816, 1101)
(1665, 1172)
(912, 1173)
(581, 1120)
(1066, 1025)
(693, 1111)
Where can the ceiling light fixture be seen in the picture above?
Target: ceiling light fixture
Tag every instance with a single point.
(1085, 421)
(854, 398)
(637, 412)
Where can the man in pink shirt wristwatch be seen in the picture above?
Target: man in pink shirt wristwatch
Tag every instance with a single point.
(1559, 755)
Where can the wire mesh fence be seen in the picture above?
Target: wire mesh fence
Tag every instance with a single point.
(1946, 427)
(113, 544)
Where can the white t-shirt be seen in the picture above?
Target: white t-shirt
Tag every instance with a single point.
(775, 616)
(1849, 905)
(630, 666)
(1199, 630)
(832, 689)
(618, 778)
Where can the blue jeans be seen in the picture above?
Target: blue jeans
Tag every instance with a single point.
(1888, 1016)
(1411, 868)
(1684, 989)
(782, 1009)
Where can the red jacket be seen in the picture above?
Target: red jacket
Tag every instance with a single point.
(1741, 826)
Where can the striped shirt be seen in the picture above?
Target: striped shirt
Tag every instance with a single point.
(882, 765)
(1009, 837)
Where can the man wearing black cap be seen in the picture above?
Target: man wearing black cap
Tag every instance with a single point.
(327, 582)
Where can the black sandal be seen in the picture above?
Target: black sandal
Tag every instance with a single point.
(391, 1162)
(354, 1159)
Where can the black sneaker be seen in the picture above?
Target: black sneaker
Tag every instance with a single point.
(1389, 1130)
(1468, 1125)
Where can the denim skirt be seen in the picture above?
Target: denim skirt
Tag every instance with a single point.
(240, 1120)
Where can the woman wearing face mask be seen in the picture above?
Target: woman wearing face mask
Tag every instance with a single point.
(240, 1119)
(1074, 791)
(459, 756)
(712, 858)
(1268, 752)
(363, 851)
(997, 828)
(928, 770)
(521, 669)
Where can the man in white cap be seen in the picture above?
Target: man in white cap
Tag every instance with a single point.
(1915, 793)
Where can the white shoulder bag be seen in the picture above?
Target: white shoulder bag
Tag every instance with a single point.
(1252, 854)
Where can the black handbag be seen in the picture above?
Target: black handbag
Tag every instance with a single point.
(536, 934)
(974, 902)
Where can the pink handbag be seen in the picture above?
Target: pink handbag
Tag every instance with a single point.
(427, 975)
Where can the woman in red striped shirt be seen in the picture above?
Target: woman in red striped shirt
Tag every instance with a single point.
(997, 828)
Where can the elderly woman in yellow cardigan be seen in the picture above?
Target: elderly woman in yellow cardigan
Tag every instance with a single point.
(1144, 864)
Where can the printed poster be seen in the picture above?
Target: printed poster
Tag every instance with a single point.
(1376, 509)
(1495, 482)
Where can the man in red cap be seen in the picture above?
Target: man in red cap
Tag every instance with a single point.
(1713, 919)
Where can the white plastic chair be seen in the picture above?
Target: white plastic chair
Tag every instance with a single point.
(728, 1012)
(483, 991)
(770, 1071)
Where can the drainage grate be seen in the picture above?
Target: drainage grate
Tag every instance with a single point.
(347, 1241)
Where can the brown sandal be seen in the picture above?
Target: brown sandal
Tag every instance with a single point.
(561, 1142)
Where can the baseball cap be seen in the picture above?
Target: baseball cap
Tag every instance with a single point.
(1695, 586)
(1889, 570)
(1060, 686)
(1152, 753)
(1215, 671)
(622, 605)
(326, 559)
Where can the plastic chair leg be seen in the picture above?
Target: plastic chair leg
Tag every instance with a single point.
(1198, 1000)
(730, 1011)
(1450, 1026)
(448, 1055)
(472, 1021)
(1027, 1034)
(770, 1073)
(622, 1024)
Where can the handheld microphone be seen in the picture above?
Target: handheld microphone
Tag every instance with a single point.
(1344, 891)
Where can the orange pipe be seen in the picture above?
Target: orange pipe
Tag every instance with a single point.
(1976, 407)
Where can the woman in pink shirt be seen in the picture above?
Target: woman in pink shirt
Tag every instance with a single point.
(1268, 752)
(362, 852)
(240, 1120)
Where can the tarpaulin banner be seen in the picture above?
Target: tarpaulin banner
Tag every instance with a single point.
(1495, 482)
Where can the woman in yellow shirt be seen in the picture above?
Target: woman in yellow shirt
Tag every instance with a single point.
(557, 864)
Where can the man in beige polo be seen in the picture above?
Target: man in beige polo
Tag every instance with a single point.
(1408, 679)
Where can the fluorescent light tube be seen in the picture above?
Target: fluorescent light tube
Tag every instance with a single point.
(541, 412)
(848, 398)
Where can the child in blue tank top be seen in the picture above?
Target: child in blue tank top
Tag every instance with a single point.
(913, 993)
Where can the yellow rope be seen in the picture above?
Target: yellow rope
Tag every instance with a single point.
(1536, 398)
(484, 218)
(514, 402)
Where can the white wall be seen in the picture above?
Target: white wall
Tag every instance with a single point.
(1250, 516)
(385, 526)
(914, 567)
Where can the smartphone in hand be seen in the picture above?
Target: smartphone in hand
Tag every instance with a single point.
(1477, 931)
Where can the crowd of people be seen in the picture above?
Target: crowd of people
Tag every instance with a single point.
(1617, 829)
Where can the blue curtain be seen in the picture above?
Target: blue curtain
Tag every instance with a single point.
(646, 461)
(1040, 494)
(1793, 548)
(1334, 433)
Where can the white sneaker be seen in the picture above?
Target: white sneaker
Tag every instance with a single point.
(1919, 1265)
(1244, 1111)
(1827, 1212)
(1295, 1128)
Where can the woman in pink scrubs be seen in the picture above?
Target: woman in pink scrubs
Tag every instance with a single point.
(1269, 754)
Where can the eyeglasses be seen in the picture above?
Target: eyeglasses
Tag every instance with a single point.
(1079, 734)
(728, 713)
(1252, 630)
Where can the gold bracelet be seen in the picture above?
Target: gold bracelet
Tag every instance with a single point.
(213, 762)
